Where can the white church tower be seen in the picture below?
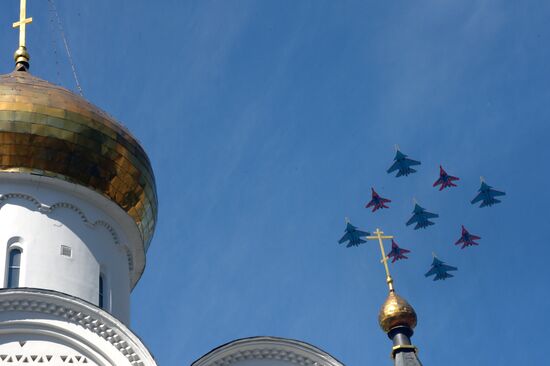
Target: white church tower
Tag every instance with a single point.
(78, 208)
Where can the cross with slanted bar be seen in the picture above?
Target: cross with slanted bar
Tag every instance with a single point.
(22, 23)
(384, 260)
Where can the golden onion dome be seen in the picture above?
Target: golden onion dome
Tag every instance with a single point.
(396, 311)
(47, 130)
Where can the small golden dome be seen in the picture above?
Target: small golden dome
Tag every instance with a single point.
(396, 311)
(50, 131)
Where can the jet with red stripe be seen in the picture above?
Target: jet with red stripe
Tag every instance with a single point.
(377, 202)
(397, 252)
(467, 239)
(445, 180)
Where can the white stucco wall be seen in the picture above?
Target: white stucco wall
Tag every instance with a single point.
(41, 215)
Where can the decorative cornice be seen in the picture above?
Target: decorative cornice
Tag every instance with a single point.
(259, 348)
(266, 353)
(46, 209)
(75, 311)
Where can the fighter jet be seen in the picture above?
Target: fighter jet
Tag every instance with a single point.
(445, 180)
(353, 236)
(487, 195)
(377, 202)
(467, 239)
(421, 217)
(440, 269)
(397, 253)
(402, 164)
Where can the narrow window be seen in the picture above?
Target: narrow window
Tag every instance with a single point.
(14, 267)
(101, 288)
(66, 251)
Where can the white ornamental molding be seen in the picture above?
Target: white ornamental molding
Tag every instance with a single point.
(267, 348)
(45, 209)
(81, 313)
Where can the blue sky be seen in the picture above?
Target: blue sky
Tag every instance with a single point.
(267, 122)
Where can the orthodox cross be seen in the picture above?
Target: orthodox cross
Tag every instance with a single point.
(378, 236)
(22, 23)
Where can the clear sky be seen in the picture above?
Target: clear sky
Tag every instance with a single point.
(267, 123)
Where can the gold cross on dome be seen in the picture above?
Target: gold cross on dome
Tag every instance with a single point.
(378, 236)
(22, 23)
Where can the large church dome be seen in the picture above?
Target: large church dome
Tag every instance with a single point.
(49, 131)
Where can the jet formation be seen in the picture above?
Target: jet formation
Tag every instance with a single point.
(487, 195)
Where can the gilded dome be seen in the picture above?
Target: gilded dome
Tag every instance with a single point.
(50, 131)
(396, 311)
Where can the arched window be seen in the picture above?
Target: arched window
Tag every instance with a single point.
(14, 267)
(101, 289)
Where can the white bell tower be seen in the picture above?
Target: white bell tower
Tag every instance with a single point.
(78, 208)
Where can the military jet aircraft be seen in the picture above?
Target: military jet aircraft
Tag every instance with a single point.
(440, 269)
(421, 217)
(377, 202)
(353, 236)
(467, 239)
(402, 164)
(487, 195)
(445, 180)
(397, 253)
